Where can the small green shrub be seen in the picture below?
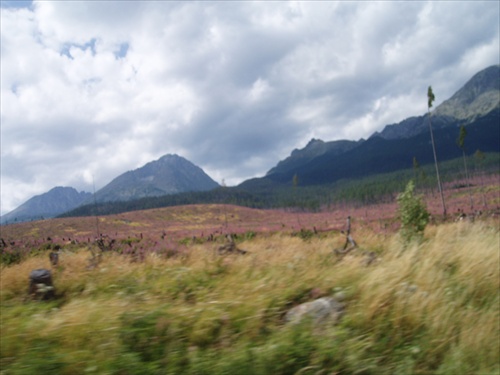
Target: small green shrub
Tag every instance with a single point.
(412, 213)
(247, 236)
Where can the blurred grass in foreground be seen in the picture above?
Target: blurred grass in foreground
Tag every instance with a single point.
(427, 308)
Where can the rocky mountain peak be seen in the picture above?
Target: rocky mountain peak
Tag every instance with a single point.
(478, 96)
(170, 174)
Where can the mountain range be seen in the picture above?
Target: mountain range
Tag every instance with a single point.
(476, 105)
(171, 174)
(380, 155)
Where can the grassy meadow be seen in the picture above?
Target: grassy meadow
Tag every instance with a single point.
(179, 307)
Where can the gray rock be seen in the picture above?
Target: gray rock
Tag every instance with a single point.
(41, 286)
(326, 309)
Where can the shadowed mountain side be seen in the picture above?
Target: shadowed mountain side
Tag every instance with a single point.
(313, 149)
(413, 126)
(379, 155)
(477, 98)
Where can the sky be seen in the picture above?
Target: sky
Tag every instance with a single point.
(90, 90)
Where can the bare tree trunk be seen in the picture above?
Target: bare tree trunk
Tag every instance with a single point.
(467, 180)
(440, 187)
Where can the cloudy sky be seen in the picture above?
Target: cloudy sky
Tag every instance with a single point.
(92, 89)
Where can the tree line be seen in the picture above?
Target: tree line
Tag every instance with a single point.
(381, 188)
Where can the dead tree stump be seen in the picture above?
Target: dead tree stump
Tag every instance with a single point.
(54, 256)
(348, 241)
(230, 247)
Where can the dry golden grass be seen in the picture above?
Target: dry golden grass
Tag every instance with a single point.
(438, 297)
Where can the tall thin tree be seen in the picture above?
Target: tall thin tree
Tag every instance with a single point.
(96, 213)
(430, 99)
(224, 203)
(461, 145)
(478, 161)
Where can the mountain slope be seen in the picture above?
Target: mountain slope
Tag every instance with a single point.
(170, 174)
(313, 149)
(380, 155)
(47, 205)
(477, 97)
(477, 102)
(413, 126)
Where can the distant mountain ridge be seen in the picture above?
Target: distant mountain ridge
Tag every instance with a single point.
(379, 155)
(170, 174)
(476, 100)
(479, 96)
(50, 204)
(413, 126)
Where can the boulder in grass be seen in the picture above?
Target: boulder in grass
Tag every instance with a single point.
(41, 286)
(326, 309)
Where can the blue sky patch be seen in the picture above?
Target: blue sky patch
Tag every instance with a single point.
(16, 4)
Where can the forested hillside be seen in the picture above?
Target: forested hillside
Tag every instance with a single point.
(379, 155)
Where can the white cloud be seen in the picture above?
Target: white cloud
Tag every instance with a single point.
(260, 89)
(92, 89)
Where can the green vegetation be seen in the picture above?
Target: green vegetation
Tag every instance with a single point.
(430, 309)
(413, 214)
